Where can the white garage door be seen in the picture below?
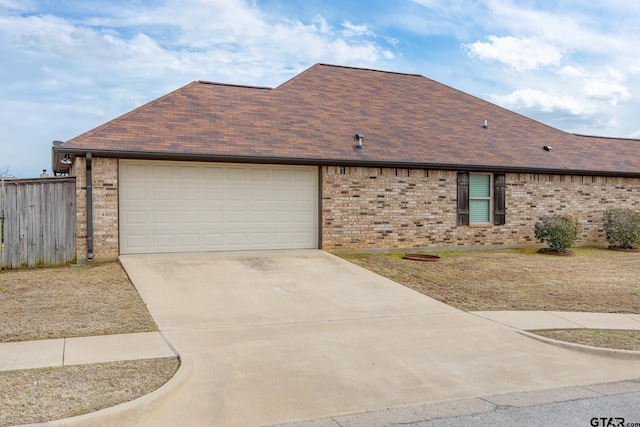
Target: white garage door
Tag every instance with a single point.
(188, 207)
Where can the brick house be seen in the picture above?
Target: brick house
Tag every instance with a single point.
(336, 158)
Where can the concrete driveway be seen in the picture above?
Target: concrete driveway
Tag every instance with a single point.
(281, 336)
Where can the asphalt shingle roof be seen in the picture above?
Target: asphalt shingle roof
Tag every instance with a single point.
(407, 120)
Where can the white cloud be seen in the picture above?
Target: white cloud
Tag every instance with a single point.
(575, 67)
(351, 30)
(393, 41)
(321, 24)
(605, 90)
(572, 72)
(520, 53)
(17, 5)
(546, 102)
(205, 35)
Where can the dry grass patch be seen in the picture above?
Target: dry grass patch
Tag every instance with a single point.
(41, 395)
(621, 340)
(72, 301)
(594, 280)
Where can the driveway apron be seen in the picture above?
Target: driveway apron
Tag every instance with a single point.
(282, 336)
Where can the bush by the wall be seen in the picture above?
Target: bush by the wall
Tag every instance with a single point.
(622, 228)
(561, 232)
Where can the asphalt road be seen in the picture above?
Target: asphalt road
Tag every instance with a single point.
(619, 410)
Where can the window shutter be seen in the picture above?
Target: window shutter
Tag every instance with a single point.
(463, 198)
(499, 199)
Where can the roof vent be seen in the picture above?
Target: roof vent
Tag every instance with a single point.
(486, 124)
(359, 137)
(547, 148)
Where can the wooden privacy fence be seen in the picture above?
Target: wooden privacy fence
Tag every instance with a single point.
(39, 222)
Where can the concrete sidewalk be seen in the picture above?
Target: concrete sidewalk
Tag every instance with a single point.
(83, 350)
(539, 320)
(151, 345)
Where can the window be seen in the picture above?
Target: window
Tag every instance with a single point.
(477, 203)
(479, 199)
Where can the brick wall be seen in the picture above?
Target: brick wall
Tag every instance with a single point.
(388, 208)
(105, 207)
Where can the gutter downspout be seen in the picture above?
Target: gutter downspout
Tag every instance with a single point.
(89, 184)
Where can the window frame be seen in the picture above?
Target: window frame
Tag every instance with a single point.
(489, 198)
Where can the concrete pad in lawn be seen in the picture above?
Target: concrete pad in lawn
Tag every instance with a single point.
(115, 348)
(31, 354)
(600, 320)
(528, 320)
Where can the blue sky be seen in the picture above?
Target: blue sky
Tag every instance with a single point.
(69, 66)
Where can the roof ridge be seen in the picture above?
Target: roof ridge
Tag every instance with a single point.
(321, 64)
(370, 69)
(206, 82)
(607, 137)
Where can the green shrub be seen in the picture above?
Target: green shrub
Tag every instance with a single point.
(561, 232)
(622, 228)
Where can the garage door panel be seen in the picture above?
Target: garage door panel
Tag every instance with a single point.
(160, 172)
(163, 241)
(137, 193)
(213, 172)
(214, 217)
(184, 207)
(261, 175)
(302, 196)
(260, 217)
(237, 217)
(163, 217)
(163, 193)
(263, 239)
(189, 241)
(137, 241)
(213, 194)
(213, 241)
(282, 217)
(236, 174)
(138, 171)
(137, 217)
(188, 172)
(189, 217)
(303, 238)
(282, 175)
(303, 176)
(303, 217)
(238, 239)
(187, 193)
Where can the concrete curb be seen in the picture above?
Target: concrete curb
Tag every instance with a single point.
(598, 351)
(129, 413)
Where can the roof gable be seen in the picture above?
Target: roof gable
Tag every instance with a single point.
(406, 119)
